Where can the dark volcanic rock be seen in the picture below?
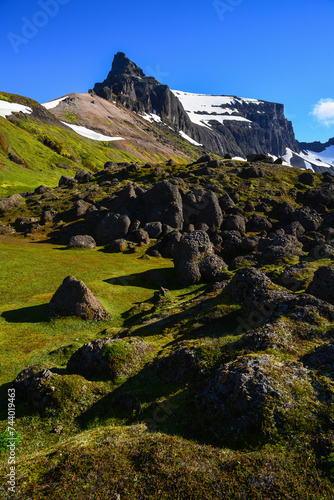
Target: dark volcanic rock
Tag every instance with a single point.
(236, 223)
(269, 130)
(291, 277)
(179, 366)
(12, 201)
(107, 358)
(82, 241)
(66, 180)
(112, 227)
(241, 393)
(262, 300)
(257, 223)
(322, 285)
(32, 385)
(279, 246)
(211, 268)
(83, 176)
(308, 218)
(226, 203)
(73, 298)
(306, 178)
(193, 255)
(163, 203)
(323, 251)
(154, 229)
(202, 207)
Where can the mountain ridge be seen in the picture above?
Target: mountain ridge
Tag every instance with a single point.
(272, 132)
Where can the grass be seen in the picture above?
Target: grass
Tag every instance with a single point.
(86, 443)
(114, 278)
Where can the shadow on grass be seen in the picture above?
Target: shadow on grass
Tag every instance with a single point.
(152, 279)
(33, 314)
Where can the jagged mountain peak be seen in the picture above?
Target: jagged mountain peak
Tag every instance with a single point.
(223, 124)
(123, 66)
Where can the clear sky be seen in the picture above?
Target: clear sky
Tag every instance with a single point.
(278, 50)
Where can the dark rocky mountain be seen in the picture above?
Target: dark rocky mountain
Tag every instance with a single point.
(249, 126)
(316, 146)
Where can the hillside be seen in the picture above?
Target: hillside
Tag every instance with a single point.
(194, 359)
(39, 145)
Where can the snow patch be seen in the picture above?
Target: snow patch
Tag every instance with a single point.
(189, 139)
(7, 108)
(202, 108)
(326, 156)
(53, 104)
(288, 156)
(152, 117)
(90, 134)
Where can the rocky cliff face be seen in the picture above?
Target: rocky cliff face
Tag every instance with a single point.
(236, 126)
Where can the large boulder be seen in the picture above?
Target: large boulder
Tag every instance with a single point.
(194, 256)
(163, 203)
(308, 218)
(255, 393)
(202, 207)
(236, 223)
(154, 229)
(12, 201)
(112, 227)
(257, 223)
(278, 246)
(107, 358)
(262, 300)
(73, 298)
(32, 385)
(232, 242)
(82, 241)
(322, 285)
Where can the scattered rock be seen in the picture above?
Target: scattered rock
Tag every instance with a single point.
(32, 385)
(73, 298)
(66, 180)
(255, 393)
(322, 285)
(107, 358)
(113, 226)
(82, 241)
(12, 201)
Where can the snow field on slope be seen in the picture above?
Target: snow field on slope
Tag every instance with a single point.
(90, 134)
(7, 108)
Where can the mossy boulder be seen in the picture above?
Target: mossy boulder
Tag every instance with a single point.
(108, 358)
(258, 394)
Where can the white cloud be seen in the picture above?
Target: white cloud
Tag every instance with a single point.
(324, 112)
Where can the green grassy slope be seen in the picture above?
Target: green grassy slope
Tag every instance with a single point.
(163, 446)
(42, 143)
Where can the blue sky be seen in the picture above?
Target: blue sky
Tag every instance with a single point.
(278, 51)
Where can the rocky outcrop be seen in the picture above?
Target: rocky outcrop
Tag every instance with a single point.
(194, 259)
(107, 358)
(73, 298)
(264, 129)
(251, 392)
